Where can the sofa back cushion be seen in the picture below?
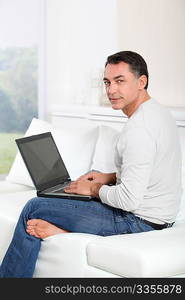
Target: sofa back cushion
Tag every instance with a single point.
(75, 146)
(103, 158)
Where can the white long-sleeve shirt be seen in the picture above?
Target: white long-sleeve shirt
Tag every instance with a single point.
(148, 160)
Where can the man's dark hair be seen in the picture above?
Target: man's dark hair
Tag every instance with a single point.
(135, 61)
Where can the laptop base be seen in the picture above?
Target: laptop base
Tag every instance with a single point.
(67, 196)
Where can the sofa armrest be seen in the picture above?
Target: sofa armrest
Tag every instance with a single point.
(149, 254)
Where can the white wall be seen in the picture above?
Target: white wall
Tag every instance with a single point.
(19, 23)
(80, 35)
(156, 29)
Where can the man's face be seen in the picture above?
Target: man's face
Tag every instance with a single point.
(122, 86)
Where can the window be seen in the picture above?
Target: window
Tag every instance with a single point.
(19, 55)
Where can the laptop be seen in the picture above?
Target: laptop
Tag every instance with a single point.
(46, 167)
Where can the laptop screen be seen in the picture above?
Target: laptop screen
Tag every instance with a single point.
(43, 160)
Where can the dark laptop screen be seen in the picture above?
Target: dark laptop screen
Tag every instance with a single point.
(43, 160)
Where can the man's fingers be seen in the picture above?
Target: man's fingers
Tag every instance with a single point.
(88, 176)
(71, 185)
(79, 187)
(83, 177)
(71, 188)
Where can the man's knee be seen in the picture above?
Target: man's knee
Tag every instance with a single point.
(31, 204)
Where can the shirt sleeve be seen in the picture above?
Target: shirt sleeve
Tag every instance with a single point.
(138, 155)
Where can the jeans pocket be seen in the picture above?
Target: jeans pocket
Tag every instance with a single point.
(142, 226)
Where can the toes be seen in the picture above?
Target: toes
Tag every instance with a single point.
(32, 222)
(32, 232)
(29, 227)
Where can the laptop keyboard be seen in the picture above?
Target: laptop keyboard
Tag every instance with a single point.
(58, 188)
(61, 190)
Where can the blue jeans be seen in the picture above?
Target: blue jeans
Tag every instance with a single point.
(73, 215)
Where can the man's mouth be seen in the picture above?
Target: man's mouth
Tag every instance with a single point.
(114, 99)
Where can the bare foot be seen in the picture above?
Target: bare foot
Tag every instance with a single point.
(42, 229)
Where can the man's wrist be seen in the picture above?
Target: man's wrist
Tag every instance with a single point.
(95, 189)
(112, 178)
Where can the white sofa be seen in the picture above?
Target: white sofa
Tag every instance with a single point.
(152, 254)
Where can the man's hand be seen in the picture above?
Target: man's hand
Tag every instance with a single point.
(84, 187)
(104, 178)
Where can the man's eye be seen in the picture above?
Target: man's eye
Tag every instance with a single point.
(107, 83)
(120, 81)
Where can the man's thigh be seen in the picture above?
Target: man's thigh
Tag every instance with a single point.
(74, 215)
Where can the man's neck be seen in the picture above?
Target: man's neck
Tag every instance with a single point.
(131, 108)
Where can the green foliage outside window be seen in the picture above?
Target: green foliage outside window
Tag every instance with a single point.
(18, 99)
(18, 88)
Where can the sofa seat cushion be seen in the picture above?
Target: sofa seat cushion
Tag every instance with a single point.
(11, 206)
(8, 187)
(148, 254)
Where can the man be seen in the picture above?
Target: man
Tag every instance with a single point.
(146, 189)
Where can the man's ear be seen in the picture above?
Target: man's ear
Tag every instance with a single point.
(142, 82)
